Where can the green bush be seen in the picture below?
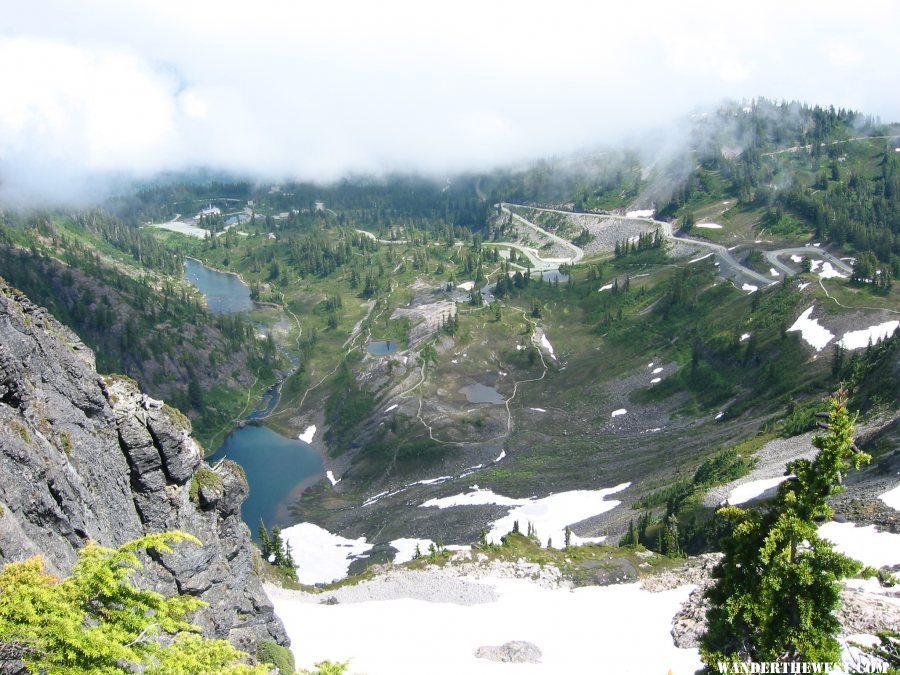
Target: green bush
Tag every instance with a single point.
(203, 477)
(724, 467)
(800, 420)
(276, 655)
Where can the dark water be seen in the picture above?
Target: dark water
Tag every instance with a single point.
(554, 275)
(277, 469)
(479, 393)
(382, 347)
(225, 293)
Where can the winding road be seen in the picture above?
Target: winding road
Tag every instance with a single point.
(729, 266)
(802, 251)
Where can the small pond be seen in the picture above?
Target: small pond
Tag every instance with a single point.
(382, 347)
(479, 393)
(554, 275)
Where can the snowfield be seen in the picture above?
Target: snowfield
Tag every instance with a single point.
(571, 628)
(814, 334)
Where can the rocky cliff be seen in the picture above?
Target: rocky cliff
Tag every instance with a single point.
(84, 456)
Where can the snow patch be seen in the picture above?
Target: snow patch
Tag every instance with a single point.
(657, 370)
(810, 330)
(549, 515)
(750, 288)
(321, 556)
(406, 548)
(828, 272)
(774, 272)
(605, 287)
(478, 497)
(655, 380)
(796, 258)
(702, 257)
(865, 544)
(538, 409)
(545, 343)
(745, 336)
(308, 435)
(465, 286)
(752, 489)
(620, 411)
(709, 226)
(859, 339)
(500, 456)
(892, 498)
(393, 407)
(803, 285)
(330, 476)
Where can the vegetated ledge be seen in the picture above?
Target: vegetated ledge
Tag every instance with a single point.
(84, 457)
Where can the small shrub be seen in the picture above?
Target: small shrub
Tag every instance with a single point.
(276, 655)
(203, 477)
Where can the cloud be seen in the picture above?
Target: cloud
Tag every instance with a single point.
(313, 90)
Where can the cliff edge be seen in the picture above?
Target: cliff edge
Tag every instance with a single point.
(87, 457)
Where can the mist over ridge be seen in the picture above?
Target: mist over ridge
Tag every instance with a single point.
(105, 93)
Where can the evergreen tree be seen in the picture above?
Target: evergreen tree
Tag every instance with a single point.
(777, 587)
(265, 544)
(96, 621)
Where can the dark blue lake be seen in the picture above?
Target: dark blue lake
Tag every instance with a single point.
(277, 468)
(225, 293)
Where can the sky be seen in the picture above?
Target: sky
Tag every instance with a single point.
(279, 89)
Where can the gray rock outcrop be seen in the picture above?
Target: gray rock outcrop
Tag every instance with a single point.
(517, 651)
(85, 457)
